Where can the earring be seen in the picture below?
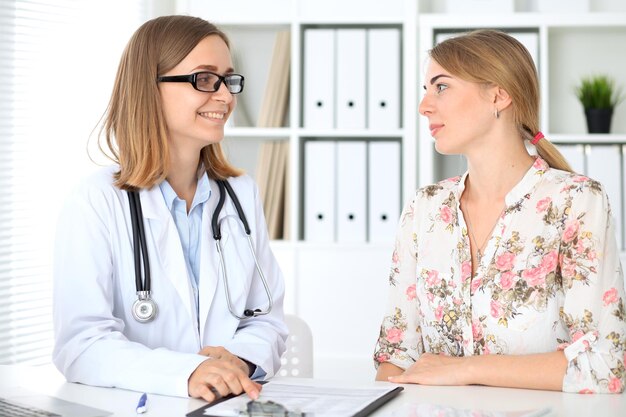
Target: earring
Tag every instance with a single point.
(496, 113)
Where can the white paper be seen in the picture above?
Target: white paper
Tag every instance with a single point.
(319, 400)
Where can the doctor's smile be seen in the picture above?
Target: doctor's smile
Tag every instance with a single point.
(213, 115)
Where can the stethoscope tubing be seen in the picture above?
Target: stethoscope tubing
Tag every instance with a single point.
(140, 251)
(217, 235)
(141, 246)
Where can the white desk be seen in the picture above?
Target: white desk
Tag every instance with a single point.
(48, 381)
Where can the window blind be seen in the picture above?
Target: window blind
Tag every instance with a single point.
(57, 65)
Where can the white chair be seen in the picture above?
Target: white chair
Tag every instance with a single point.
(297, 361)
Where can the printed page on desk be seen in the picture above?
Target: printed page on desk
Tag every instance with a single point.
(320, 400)
(429, 410)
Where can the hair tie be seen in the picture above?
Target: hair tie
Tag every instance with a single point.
(537, 138)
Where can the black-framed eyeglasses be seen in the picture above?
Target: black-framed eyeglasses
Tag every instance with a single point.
(207, 81)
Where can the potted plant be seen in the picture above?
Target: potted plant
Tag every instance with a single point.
(599, 97)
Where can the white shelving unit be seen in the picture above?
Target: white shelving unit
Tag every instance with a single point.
(340, 288)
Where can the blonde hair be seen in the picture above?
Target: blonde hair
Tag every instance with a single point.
(134, 123)
(491, 57)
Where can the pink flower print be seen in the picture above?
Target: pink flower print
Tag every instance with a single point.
(486, 350)
(432, 280)
(383, 357)
(457, 301)
(592, 255)
(395, 258)
(446, 214)
(394, 335)
(505, 261)
(586, 391)
(430, 296)
(534, 276)
(571, 230)
(579, 178)
(568, 268)
(496, 309)
(540, 164)
(410, 292)
(476, 282)
(580, 246)
(577, 335)
(562, 346)
(466, 270)
(549, 261)
(610, 296)
(506, 280)
(543, 204)
(615, 385)
(477, 329)
(439, 313)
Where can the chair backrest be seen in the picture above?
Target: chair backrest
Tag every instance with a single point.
(298, 358)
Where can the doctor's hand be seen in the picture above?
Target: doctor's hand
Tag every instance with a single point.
(218, 352)
(430, 369)
(221, 374)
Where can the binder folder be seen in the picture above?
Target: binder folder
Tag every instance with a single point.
(350, 78)
(319, 191)
(351, 190)
(384, 186)
(384, 79)
(319, 78)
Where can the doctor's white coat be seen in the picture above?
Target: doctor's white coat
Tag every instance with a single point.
(98, 342)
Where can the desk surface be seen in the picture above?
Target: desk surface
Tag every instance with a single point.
(414, 400)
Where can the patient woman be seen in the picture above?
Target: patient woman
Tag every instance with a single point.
(508, 275)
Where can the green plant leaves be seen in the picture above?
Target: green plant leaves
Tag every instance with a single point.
(598, 92)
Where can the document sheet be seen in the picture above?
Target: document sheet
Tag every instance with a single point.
(321, 400)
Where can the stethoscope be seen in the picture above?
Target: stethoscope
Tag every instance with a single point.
(144, 309)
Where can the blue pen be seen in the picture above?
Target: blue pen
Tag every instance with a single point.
(141, 405)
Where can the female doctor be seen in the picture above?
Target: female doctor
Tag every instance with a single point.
(145, 297)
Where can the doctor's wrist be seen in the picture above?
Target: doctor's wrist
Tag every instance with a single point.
(250, 365)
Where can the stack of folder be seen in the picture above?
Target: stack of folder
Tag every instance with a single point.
(352, 78)
(351, 190)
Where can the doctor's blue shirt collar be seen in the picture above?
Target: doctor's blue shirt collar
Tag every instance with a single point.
(203, 192)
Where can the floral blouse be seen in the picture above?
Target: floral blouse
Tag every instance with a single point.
(550, 279)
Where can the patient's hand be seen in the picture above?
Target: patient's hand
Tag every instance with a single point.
(430, 369)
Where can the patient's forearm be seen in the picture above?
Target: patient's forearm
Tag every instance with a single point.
(386, 370)
(535, 371)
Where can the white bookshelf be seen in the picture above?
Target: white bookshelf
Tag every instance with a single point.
(337, 288)
(340, 288)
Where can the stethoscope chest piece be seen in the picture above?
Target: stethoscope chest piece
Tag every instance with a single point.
(144, 309)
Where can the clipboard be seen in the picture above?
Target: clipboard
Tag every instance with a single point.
(353, 401)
